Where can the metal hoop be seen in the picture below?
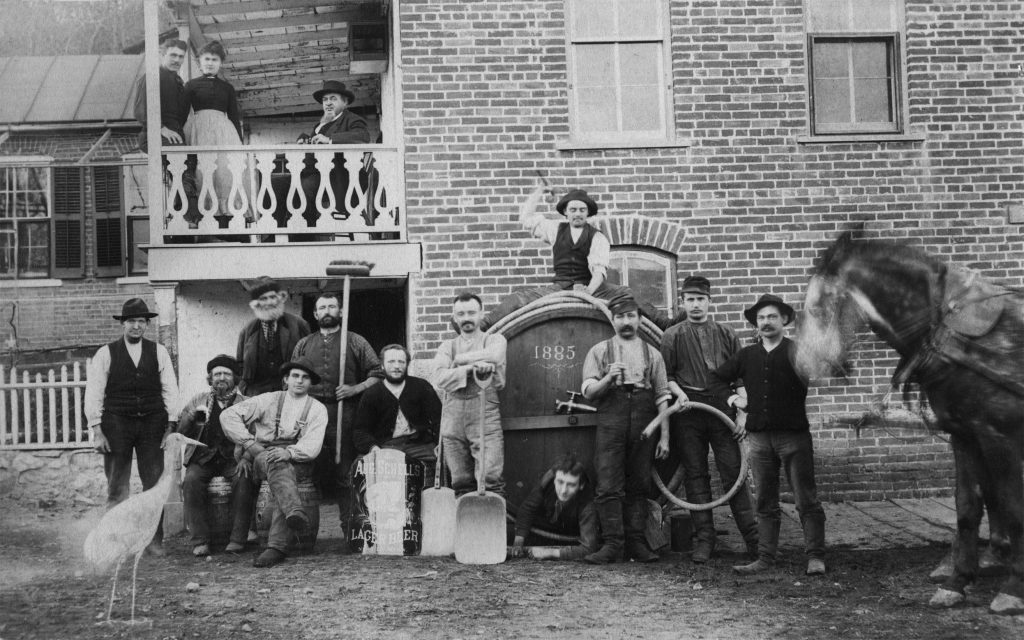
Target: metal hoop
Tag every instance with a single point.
(740, 479)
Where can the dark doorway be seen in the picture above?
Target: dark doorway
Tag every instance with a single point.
(378, 315)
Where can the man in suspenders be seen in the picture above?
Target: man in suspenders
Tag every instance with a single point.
(281, 433)
(626, 377)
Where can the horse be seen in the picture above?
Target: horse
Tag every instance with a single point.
(960, 338)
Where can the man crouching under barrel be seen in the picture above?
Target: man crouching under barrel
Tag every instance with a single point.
(626, 376)
(200, 420)
(281, 433)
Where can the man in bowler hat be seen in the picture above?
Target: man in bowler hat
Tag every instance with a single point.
(130, 392)
(778, 433)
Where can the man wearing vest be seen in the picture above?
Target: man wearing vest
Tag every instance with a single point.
(130, 391)
(281, 433)
(626, 376)
(200, 420)
(267, 342)
(580, 254)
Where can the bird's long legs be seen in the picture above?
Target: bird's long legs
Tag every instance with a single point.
(135, 570)
(113, 588)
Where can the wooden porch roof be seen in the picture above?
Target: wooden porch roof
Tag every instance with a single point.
(280, 51)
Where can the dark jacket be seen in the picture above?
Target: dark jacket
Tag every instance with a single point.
(776, 393)
(378, 408)
(173, 108)
(348, 129)
(290, 329)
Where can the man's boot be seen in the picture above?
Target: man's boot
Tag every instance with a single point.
(767, 547)
(704, 531)
(746, 522)
(609, 514)
(636, 541)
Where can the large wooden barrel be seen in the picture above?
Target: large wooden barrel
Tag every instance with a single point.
(309, 495)
(546, 351)
(219, 512)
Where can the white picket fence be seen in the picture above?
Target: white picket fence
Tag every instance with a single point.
(43, 413)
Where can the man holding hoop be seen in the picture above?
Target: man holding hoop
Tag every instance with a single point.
(692, 349)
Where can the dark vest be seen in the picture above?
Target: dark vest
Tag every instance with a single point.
(268, 358)
(571, 259)
(214, 439)
(131, 390)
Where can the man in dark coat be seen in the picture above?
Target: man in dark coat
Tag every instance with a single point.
(173, 108)
(267, 342)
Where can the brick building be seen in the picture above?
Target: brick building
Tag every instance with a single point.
(732, 138)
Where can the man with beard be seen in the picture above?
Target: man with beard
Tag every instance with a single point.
(200, 420)
(580, 254)
(626, 376)
(280, 434)
(456, 366)
(692, 349)
(362, 371)
(267, 342)
(130, 391)
(402, 413)
(778, 432)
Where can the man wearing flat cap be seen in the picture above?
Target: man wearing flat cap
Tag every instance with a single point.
(267, 342)
(580, 255)
(692, 350)
(778, 432)
(130, 393)
(626, 377)
(200, 420)
(281, 434)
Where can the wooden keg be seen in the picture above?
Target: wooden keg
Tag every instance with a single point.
(309, 495)
(219, 512)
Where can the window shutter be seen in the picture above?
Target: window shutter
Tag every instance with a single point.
(68, 223)
(108, 227)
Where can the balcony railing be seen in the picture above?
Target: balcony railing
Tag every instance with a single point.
(306, 192)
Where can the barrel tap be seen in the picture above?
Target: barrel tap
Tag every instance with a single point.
(573, 404)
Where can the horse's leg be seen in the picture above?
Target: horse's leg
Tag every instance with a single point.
(968, 518)
(995, 559)
(944, 570)
(1007, 490)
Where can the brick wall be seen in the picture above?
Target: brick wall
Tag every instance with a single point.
(485, 103)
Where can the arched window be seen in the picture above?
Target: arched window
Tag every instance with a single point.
(650, 273)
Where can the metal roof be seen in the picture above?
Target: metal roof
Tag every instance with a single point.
(47, 89)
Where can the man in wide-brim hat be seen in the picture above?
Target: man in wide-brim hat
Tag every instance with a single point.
(580, 254)
(130, 394)
(778, 432)
(338, 125)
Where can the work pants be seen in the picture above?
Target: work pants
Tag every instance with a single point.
(197, 501)
(333, 479)
(460, 429)
(138, 435)
(281, 476)
(793, 452)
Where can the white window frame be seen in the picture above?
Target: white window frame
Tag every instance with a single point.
(619, 257)
(32, 162)
(619, 139)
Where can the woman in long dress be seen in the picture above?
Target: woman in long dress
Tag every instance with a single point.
(215, 118)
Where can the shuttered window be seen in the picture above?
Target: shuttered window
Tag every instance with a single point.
(25, 199)
(108, 224)
(68, 223)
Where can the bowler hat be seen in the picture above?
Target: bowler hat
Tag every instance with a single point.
(224, 360)
(765, 300)
(135, 308)
(259, 286)
(622, 302)
(696, 284)
(303, 364)
(333, 86)
(577, 194)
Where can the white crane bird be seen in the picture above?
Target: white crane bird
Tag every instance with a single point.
(128, 527)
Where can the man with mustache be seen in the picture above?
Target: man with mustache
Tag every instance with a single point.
(778, 432)
(456, 366)
(267, 342)
(130, 392)
(626, 376)
(322, 350)
(200, 420)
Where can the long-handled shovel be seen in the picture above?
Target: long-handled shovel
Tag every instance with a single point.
(437, 514)
(480, 517)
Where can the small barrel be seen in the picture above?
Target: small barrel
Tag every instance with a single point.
(681, 530)
(219, 512)
(310, 498)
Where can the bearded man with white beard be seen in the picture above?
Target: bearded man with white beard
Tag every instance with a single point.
(267, 342)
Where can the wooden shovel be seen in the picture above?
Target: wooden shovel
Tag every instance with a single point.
(437, 514)
(480, 517)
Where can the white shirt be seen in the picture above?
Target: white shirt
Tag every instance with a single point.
(99, 371)
(547, 230)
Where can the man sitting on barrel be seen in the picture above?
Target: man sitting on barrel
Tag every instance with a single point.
(200, 420)
(562, 504)
(281, 433)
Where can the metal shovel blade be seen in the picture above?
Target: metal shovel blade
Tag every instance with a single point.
(437, 514)
(480, 529)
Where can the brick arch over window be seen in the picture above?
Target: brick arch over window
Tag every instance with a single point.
(643, 231)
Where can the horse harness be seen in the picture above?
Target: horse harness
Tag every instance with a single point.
(970, 308)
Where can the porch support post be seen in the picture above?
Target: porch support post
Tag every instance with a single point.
(155, 171)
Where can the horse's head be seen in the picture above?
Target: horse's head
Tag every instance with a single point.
(826, 328)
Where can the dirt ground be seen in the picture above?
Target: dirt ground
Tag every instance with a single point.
(47, 592)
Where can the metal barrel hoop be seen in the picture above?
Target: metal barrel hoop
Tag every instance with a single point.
(740, 478)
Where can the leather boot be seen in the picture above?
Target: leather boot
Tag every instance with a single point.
(746, 522)
(636, 542)
(609, 515)
(704, 532)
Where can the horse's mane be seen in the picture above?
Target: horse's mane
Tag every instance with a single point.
(848, 246)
